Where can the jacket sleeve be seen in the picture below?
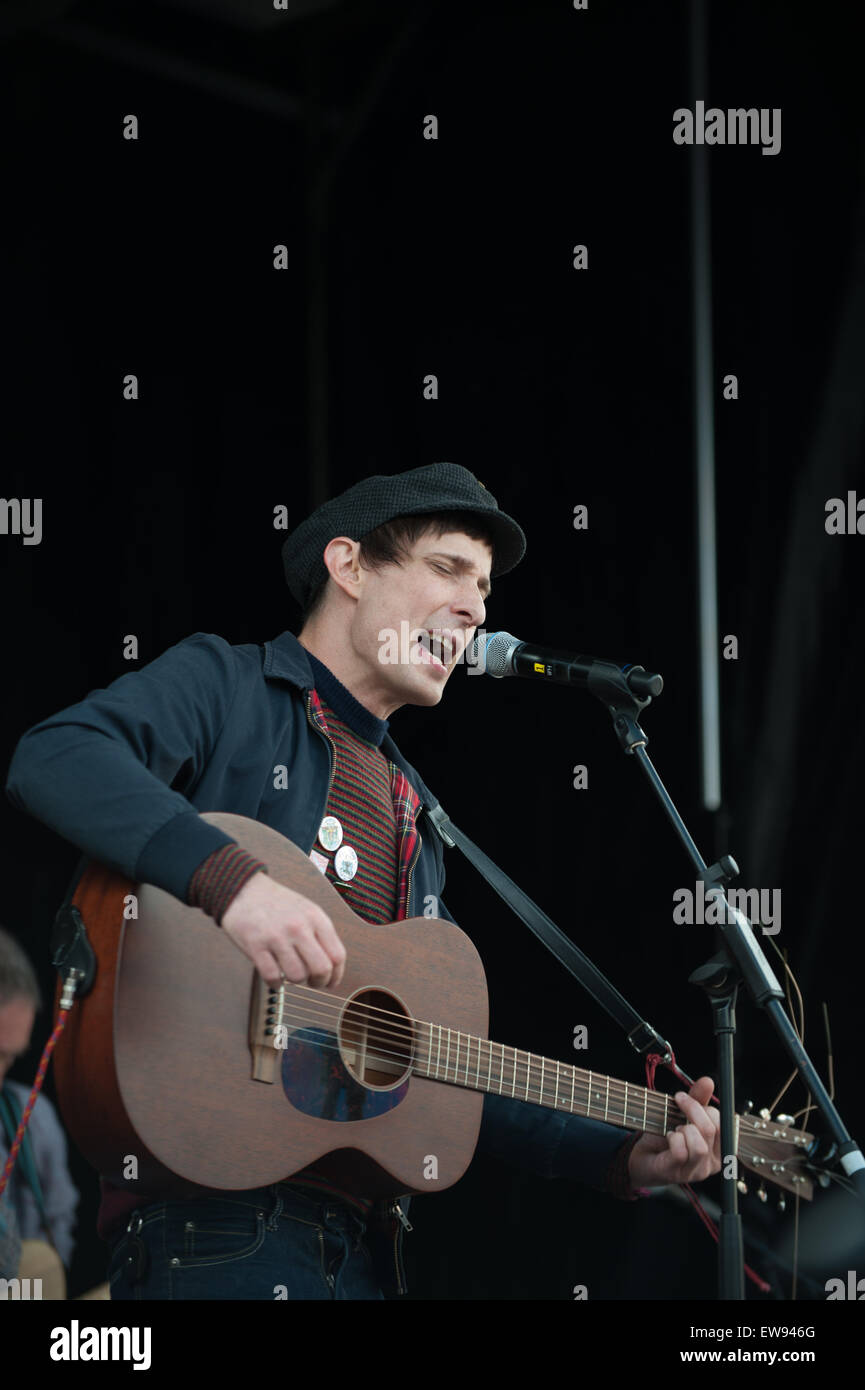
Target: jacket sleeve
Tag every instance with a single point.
(551, 1144)
(101, 772)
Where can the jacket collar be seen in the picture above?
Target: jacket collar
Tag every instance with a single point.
(286, 659)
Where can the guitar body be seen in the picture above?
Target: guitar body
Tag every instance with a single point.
(165, 1061)
(39, 1260)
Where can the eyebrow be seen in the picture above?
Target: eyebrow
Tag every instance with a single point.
(463, 566)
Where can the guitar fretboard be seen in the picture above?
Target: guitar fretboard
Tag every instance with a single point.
(459, 1059)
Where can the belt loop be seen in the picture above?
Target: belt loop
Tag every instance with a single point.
(273, 1220)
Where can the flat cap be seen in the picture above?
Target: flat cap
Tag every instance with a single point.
(438, 487)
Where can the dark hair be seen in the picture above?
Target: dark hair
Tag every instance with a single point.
(17, 976)
(392, 542)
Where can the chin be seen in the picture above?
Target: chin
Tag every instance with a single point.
(423, 692)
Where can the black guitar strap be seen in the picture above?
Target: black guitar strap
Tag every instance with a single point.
(641, 1035)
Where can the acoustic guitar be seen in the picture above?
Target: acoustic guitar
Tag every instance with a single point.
(181, 1069)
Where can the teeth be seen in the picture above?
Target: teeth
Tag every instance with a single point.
(440, 647)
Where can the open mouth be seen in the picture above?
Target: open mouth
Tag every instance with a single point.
(436, 649)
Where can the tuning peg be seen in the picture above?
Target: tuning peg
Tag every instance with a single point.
(764, 1114)
(761, 1193)
(749, 1106)
(743, 1187)
(784, 1120)
(782, 1203)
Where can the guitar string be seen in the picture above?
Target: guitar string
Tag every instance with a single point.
(398, 1033)
(616, 1090)
(611, 1113)
(522, 1078)
(335, 1002)
(542, 1094)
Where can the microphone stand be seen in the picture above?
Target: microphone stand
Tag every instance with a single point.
(739, 959)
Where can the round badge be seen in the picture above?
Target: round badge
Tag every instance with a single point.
(345, 863)
(330, 833)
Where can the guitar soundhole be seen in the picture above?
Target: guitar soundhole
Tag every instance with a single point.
(376, 1039)
(358, 1073)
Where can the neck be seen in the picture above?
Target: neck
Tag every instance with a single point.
(336, 654)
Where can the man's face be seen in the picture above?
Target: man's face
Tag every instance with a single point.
(16, 1025)
(414, 620)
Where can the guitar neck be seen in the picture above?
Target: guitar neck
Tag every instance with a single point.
(459, 1059)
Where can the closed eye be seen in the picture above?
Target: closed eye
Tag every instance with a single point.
(449, 570)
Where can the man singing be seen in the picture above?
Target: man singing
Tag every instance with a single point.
(125, 774)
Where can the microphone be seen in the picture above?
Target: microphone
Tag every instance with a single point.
(501, 654)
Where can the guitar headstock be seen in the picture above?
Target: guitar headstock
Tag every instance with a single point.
(777, 1152)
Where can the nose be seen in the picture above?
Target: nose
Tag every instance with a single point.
(469, 603)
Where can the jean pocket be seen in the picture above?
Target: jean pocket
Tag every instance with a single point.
(207, 1238)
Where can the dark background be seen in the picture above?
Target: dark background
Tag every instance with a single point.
(557, 387)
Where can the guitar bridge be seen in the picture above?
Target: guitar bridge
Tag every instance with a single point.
(373, 1032)
(267, 1029)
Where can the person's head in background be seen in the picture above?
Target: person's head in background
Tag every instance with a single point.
(19, 1000)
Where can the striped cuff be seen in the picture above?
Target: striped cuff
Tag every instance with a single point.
(617, 1180)
(218, 880)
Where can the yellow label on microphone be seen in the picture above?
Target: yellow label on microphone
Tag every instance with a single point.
(539, 666)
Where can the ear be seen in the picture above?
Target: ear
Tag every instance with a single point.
(343, 565)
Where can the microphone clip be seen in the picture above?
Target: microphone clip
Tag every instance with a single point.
(613, 688)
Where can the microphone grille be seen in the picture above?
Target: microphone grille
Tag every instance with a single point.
(493, 651)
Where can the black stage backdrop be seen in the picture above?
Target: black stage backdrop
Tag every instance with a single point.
(261, 387)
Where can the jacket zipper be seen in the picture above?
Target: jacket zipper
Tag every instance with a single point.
(401, 1217)
(332, 747)
(411, 871)
(403, 1224)
(402, 1221)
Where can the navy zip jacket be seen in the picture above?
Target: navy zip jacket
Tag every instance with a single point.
(124, 774)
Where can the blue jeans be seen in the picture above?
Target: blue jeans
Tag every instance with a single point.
(269, 1243)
